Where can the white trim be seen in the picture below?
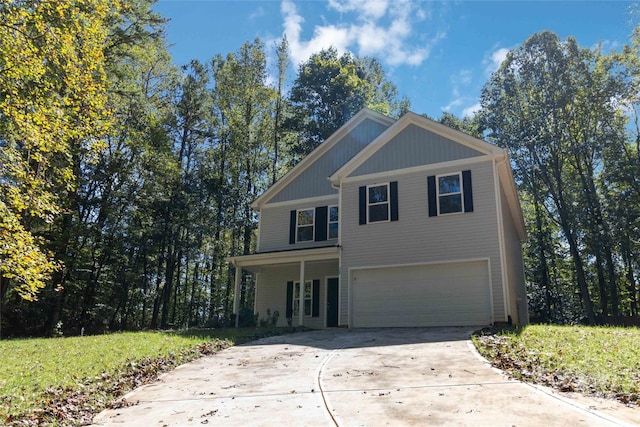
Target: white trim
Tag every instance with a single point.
(301, 297)
(326, 296)
(236, 294)
(406, 120)
(388, 201)
(259, 228)
(285, 257)
(255, 292)
(461, 192)
(493, 313)
(312, 225)
(503, 259)
(453, 164)
(360, 117)
(329, 222)
(340, 218)
(306, 201)
(417, 264)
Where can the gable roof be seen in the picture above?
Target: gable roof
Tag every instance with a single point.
(402, 123)
(321, 149)
(505, 173)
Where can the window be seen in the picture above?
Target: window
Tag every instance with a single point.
(449, 194)
(333, 222)
(378, 203)
(304, 225)
(307, 299)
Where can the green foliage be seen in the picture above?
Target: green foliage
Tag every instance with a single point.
(592, 360)
(271, 320)
(555, 107)
(330, 89)
(52, 102)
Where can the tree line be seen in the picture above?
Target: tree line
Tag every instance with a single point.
(125, 181)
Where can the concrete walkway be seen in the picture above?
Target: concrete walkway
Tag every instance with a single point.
(422, 376)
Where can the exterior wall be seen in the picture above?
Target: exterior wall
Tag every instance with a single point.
(313, 181)
(515, 269)
(274, 226)
(272, 289)
(414, 146)
(418, 238)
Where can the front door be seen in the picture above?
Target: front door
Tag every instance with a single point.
(332, 302)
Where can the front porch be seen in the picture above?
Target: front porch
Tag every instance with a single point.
(278, 276)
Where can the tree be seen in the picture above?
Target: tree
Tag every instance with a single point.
(52, 101)
(330, 89)
(553, 105)
(282, 53)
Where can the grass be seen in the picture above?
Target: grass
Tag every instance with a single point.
(91, 372)
(603, 361)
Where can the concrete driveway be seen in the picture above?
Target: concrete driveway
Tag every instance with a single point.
(421, 376)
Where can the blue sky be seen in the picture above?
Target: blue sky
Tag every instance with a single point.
(439, 54)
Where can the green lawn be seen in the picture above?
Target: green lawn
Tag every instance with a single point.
(603, 361)
(66, 380)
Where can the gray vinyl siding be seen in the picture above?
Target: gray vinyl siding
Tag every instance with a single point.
(418, 238)
(272, 289)
(514, 263)
(313, 181)
(414, 146)
(274, 227)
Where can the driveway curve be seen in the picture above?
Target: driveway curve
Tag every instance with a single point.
(337, 377)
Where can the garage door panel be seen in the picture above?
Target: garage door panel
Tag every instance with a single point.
(428, 295)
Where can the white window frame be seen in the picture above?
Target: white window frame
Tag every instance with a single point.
(388, 202)
(312, 225)
(329, 222)
(461, 192)
(296, 285)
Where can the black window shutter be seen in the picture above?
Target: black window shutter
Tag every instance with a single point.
(321, 223)
(363, 205)
(393, 189)
(292, 227)
(316, 299)
(467, 190)
(289, 300)
(431, 195)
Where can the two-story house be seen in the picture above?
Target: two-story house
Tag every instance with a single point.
(391, 223)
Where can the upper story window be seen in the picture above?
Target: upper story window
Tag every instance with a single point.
(449, 194)
(378, 203)
(305, 225)
(333, 222)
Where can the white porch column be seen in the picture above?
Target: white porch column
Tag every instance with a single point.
(301, 295)
(236, 295)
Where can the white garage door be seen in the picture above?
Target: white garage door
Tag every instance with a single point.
(450, 294)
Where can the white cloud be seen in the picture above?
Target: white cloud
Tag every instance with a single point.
(323, 37)
(257, 13)
(379, 28)
(494, 59)
(458, 81)
(453, 104)
(374, 9)
(470, 111)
